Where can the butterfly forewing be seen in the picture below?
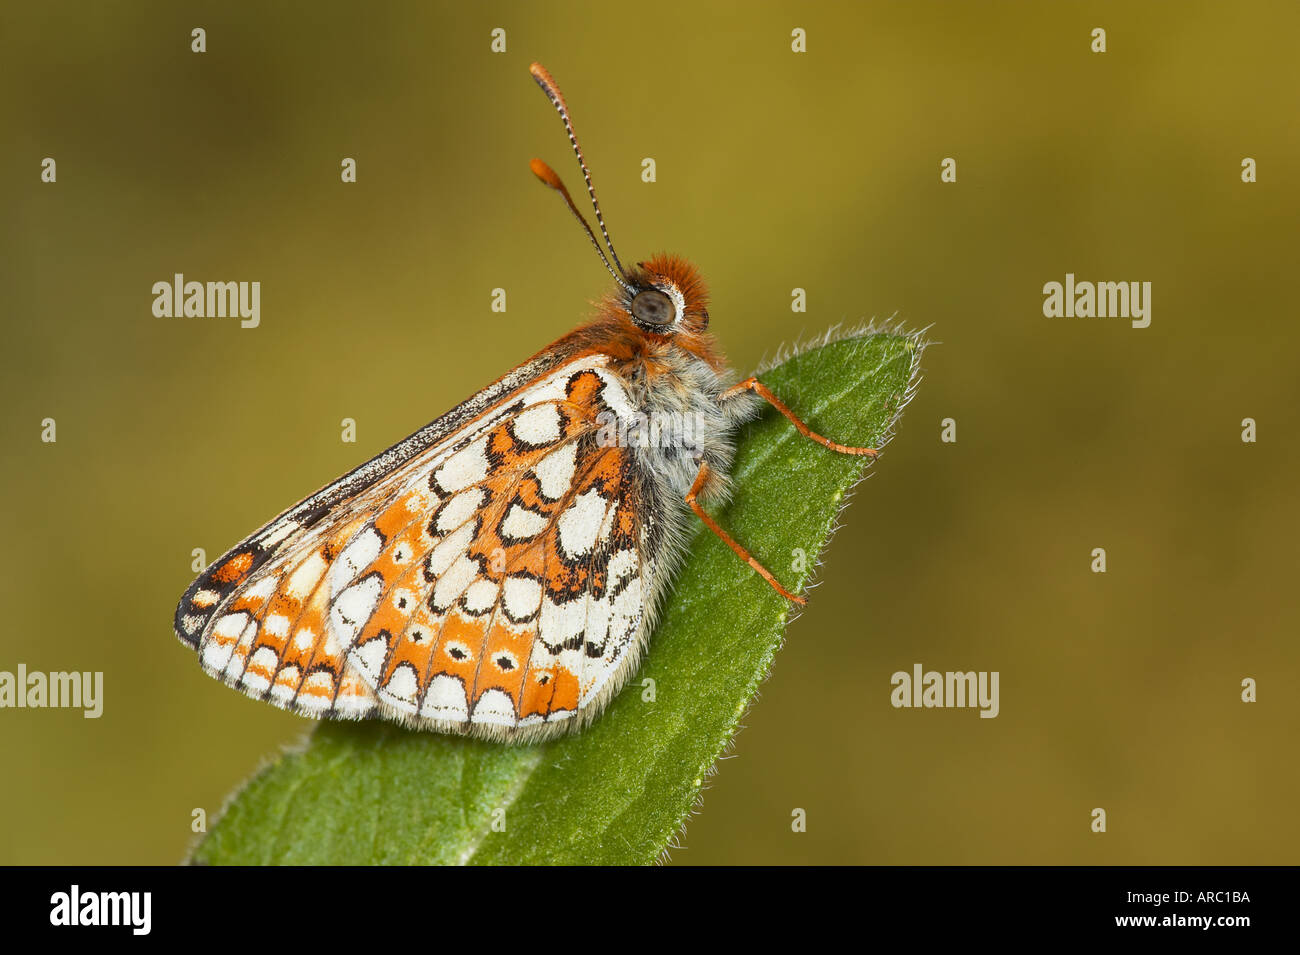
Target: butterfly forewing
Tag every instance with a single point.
(488, 581)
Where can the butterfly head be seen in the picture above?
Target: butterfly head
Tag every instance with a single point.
(666, 297)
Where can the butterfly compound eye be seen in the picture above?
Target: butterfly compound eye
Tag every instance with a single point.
(653, 307)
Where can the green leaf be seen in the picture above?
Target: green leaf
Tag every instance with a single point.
(619, 791)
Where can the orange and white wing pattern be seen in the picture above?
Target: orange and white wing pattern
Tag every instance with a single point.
(489, 575)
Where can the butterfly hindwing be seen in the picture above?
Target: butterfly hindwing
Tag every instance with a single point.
(497, 611)
(489, 581)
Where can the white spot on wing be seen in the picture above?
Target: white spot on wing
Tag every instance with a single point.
(580, 523)
(217, 655)
(303, 580)
(445, 700)
(615, 396)
(561, 622)
(262, 589)
(555, 471)
(231, 625)
(621, 564)
(494, 707)
(538, 425)
(369, 657)
(401, 688)
(522, 524)
(304, 639)
(277, 534)
(467, 466)
(480, 596)
(353, 607)
(459, 510)
(453, 583)
(520, 597)
(451, 547)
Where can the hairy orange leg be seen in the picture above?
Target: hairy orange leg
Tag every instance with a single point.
(760, 389)
(743, 554)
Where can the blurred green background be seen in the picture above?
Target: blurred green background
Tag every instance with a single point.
(776, 170)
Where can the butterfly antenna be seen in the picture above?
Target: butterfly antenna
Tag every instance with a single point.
(548, 176)
(552, 91)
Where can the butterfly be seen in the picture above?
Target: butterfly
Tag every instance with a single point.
(497, 573)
